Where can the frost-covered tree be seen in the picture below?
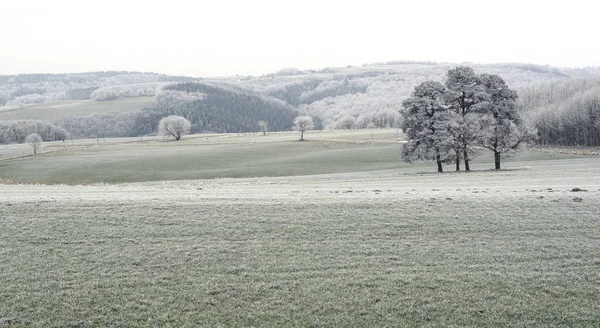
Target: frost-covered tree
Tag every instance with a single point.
(464, 96)
(302, 124)
(505, 132)
(35, 141)
(445, 122)
(174, 126)
(263, 126)
(425, 124)
(346, 122)
(104, 94)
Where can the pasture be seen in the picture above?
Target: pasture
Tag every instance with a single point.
(56, 110)
(333, 232)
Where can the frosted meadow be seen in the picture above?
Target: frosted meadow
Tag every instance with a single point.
(394, 246)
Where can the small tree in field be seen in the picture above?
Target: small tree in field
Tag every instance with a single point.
(35, 141)
(264, 126)
(174, 126)
(303, 123)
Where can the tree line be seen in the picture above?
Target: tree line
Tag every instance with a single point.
(565, 113)
(17, 131)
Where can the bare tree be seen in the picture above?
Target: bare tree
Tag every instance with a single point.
(174, 126)
(302, 124)
(35, 141)
(264, 126)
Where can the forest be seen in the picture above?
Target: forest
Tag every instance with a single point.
(561, 103)
(565, 112)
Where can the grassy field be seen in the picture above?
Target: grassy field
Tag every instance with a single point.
(217, 156)
(202, 156)
(60, 109)
(401, 246)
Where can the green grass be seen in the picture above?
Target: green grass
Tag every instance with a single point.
(150, 163)
(60, 109)
(360, 249)
(199, 157)
(220, 156)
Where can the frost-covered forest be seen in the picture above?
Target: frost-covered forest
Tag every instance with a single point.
(562, 103)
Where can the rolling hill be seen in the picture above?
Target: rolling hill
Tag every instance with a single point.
(368, 96)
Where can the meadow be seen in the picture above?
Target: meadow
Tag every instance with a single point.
(333, 232)
(56, 110)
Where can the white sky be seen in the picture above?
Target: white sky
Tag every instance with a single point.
(228, 37)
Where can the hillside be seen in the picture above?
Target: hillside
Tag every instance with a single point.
(125, 104)
(223, 107)
(59, 109)
(24, 89)
(210, 106)
(371, 95)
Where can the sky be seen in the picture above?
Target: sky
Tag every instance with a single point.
(255, 37)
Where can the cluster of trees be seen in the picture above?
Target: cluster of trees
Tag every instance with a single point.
(445, 122)
(105, 125)
(17, 131)
(129, 90)
(37, 99)
(307, 91)
(565, 112)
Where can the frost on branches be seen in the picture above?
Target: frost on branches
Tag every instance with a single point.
(444, 122)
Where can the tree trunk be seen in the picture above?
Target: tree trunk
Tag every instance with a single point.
(466, 155)
(302, 135)
(497, 159)
(439, 163)
(458, 163)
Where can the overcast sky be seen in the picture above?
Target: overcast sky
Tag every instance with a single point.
(226, 37)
